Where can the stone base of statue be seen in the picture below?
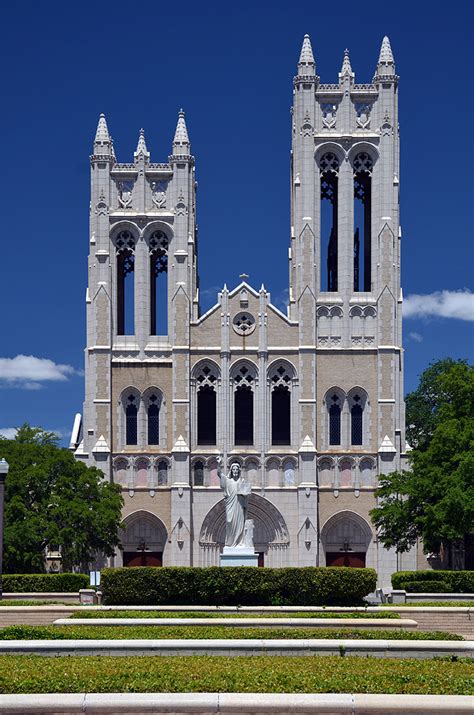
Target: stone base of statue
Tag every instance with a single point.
(239, 556)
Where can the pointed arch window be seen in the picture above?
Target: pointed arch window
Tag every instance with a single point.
(244, 384)
(362, 166)
(158, 247)
(125, 256)
(329, 176)
(335, 420)
(153, 415)
(198, 470)
(206, 385)
(357, 433)
(280, 385)
(162, 473)
(131, 420)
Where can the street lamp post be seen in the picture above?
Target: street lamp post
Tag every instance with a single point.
(4, 466)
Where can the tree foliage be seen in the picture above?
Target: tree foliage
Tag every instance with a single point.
(434, 500)
(52, 500)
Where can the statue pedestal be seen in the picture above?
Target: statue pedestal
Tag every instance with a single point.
(239, 556)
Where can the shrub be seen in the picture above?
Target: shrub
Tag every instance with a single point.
(457, 581)
(425, 586)
(44, 582)
(308, 586)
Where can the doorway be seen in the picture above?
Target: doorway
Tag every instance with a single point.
(143, 558)
(354, 559)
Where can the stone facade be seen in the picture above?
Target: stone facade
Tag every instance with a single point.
(335, 358)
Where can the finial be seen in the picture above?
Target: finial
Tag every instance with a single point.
(181, 144)
(306, 64)
(244, 276)
(102, 133)
(346, 69)
(141, 150)
(386, 54)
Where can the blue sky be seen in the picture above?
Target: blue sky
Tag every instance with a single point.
(230, 66)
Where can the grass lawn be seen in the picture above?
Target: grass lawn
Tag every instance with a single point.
(214, 614)
(201, 632)
(310, 674)
(13, 602)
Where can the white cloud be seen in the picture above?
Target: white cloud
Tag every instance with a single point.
(28, 372)
(8, 432)
(416, 337)
(442, 304)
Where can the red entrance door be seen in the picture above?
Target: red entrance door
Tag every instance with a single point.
(346, 558)
(143, 558)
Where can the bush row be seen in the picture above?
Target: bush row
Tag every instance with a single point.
(44, 582)
(434, 581)
(308, 586)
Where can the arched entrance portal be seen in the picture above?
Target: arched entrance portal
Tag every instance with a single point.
(345, 539)
(143, 540)
(271, 537)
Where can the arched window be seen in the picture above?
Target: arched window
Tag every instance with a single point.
(131, 420)
(362, 166)
(206, 385)
(125, 252)
(162, 473)
(329, 170)
(280, 385)
(198, 474)
(357, 434)
(158, 247)
(335, 419)
(153, 415)
(244, 378)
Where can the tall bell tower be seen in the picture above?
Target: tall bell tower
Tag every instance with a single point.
(344, 264)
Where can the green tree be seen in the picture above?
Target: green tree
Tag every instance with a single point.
(53, 500)
(434, 500)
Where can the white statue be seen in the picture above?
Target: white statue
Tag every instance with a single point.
(236, 493)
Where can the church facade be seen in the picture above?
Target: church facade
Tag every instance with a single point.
(310, 403)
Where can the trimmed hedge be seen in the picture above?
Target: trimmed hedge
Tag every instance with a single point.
(456, 581)
(44, 582)
(425, 586)
(234, 586)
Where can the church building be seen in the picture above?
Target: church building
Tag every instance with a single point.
(308, 402)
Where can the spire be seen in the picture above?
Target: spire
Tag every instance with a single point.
(346, 69)
(181, 144)
(141, 150)
(102, 135)
(306, 64)
(386, 63)
(386, 54)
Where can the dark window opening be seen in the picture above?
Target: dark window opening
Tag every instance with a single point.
(125, 293)
(243, 415)
(131, 412)
(162, 473)
(362, 223)
(356, 423)
(158, 283)
(281, 415)
(329, 166)
(335, 424)
(153, 421)
(206, 415)
(199, 474)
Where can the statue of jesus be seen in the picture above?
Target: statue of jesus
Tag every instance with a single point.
(236, 493)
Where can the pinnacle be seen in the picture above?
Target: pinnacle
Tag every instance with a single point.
(141, 149)
(346, 68)
(102, 133)
(181, 135)
(306, 55)
(386, 54)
